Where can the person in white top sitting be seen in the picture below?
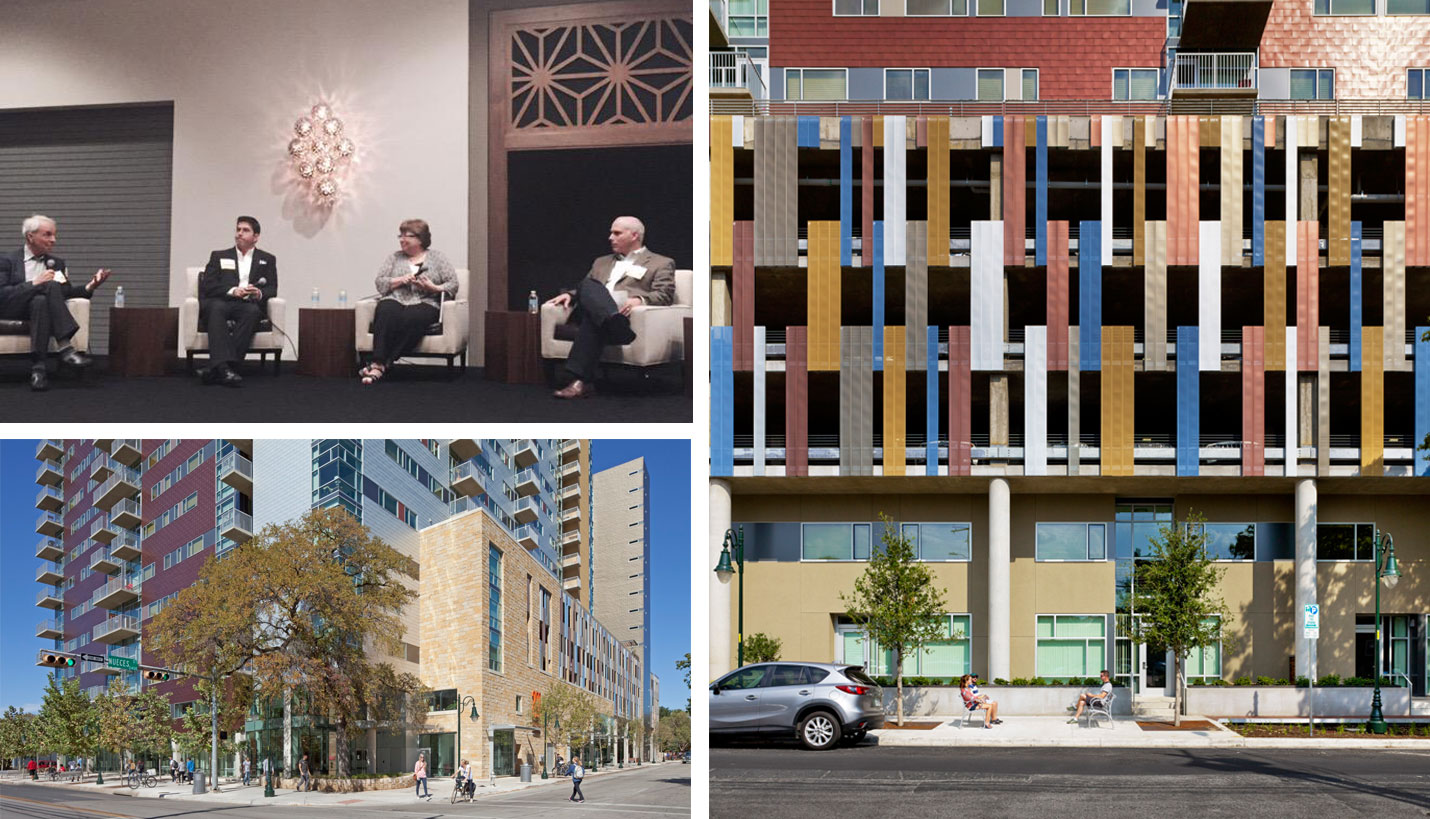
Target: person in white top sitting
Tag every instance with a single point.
(1097, 698)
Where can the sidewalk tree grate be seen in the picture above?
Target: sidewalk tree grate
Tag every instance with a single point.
(1187, 725)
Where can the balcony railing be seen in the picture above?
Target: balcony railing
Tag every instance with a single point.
(1074, 108)
(735, 69)
(1214, 71)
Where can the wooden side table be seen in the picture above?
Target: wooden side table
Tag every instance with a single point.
(327, 342)
(143, 340)
(514, 347)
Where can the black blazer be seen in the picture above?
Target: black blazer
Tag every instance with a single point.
(12, 277)
(216, 281)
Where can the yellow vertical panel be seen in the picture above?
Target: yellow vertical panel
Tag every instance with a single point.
(879, 131)
(824, 286)
(722, 193)
(1139, 189)
(1117, 409)
(1372, 403)
(1231, 190)
(894, 401)
(938, 192)
(995, 186)
(1209, 132)
(1338, 198)
(1273, 301)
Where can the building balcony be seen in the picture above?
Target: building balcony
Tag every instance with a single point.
(719, 23)
(124, 483)
(570, 471)
(571, 561)
(50, 473)
(128, 451)
(127, 546)
(49, 549)
(464, 449)
(236, 526)
(50, 499)
(571, 519)
(117, 592)
(49, 572)
(1223, 24)
(50, 449)
(105, 562)
(468, 479)
(236, 471)
(734, 76)
(50, 598)
(525, 509)
(570, 492)
(571, 583)
(529, 536)
(528, 482)
(125, 514)
(571, 538)
(101, 469)
(527, 454)
(463, 505)
(117, 629)
(1214, 74)
(103, 531)
(49, 629)
(244, 445)
(50, 524)
(104, 444)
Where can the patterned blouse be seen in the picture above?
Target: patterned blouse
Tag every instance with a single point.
(437, 268)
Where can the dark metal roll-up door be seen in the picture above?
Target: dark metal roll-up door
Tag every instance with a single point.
(104, 175)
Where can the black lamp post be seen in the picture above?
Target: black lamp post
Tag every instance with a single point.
(546, 756)
(461, 701)
(735, 547)
(1390, 573)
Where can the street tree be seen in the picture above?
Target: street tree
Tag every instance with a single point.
(897, 604)
(674, 732)
(137, 722)
(568, 713)
(684, 665)
(18, 738)
(311, 606)
(66, 720)
(1176, 601)
(194, 735)
(761, 648)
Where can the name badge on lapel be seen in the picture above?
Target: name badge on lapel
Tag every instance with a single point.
(635, 271)
(227, 264)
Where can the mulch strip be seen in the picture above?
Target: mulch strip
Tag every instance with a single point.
(1187, 725)
(912, 726)
(1322, 732)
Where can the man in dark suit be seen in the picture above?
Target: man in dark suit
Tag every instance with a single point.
(235, 285)
(34, 286)
(628, 278)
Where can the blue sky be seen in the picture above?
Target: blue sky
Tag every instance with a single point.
(667, 462)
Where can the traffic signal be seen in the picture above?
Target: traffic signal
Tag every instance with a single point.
(158, 676)
(222, 736)
(56, 661)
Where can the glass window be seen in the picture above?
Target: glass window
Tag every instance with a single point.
(1345, 541)
(906, 84)
(749, 18)
(494, 612)
(1313, 83)
(990, 84)
(861, 541)
(1205, 661)
(944, 541)
(1062, 541)
(1070, 645)
(826, 541)
(991, 8)
(1231, 541)
(787, 675)
(1407, 7)
(1097, 541)
(1050, 8)
(1275, 541)
(1030, 84)
(857, 7)
(932, 8)
(1174, 19)
(1415, 83)
(950, 657)
(745, 678)
(443, 700)
(1100, 7)
(1345, 6)
(815, 84)
(1134, 83)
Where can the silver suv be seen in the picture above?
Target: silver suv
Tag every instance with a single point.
(820, 702)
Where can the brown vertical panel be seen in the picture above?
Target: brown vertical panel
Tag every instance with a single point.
(1392, 267)
(1372, 403)
(787, 187)
(824, 296)
(1139, 188)
(938, 191)
(1057, 298)
(895, 394)
(1322, 342)
(1209, 132)
(1015, 158)
(866, 192)
(960, 402)
(878, 130)
(1417, 191)
(1117, 401)
(1338, 197)
(796, 403)
(916, 295)
(1253, 402)
(1154, 298)
(1274, 296)
(776, 234)
(743, 295)
(1231, 190)
(722, 190)
(995, 187)
(1308, 279)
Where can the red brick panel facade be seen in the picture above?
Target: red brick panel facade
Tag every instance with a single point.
(1370, 54)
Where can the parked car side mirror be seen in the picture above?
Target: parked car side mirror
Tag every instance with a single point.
(715, 689)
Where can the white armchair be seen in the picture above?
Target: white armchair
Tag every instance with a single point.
(660, 331)
(15, 333)
(268, 340)
(445, 339)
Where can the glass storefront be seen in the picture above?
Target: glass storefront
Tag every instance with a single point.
(504, 752)
(441, 750)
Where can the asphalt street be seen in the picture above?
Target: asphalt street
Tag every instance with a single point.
(867, 780)
(662, 792)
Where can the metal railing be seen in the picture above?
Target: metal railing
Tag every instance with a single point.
(972, 108)
(236, 462)
(115, 623)
(735, 69)
(47, 465)
(234, 518)
(1214, 70)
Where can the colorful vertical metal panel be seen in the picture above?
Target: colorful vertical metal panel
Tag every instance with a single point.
(960, 401)
(1057, 298)
(1040, 194)
(1293, 173)
(880, 295)
(938, 192)
(1394, 252)
(1422, 397)
(1372, 405)
(997, 131)
(856, 401)
(1209, 296)
(1111, 135)
(722, 191)
(1188, 401)
(1089, 295)
(824, 296)
(846, 192)
(866, 190)
(757, 401)
(742, 296)
(1183, 189)
(916, 294)
(1154, 299)
(796, 402)
(986, 295)
(1292, 394)
(808, 132)
(1015, 195)
(1273, 299)
(1338, 196)
(1139, 190)
(1417, 191)
(1322, 342)
(1357, 288)
(895, 189)
(1117, 401)
(1308, 300)
(895, 396)
(1258, 191)
(722, 402)
(776, 165)
(931, 401)
(1253, 401)
(1074, 406)
(1231, 190)
(1035, 401)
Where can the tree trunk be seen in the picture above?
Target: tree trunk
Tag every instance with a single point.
(1177, 689)
(899, 684)
(341, 766)
(287, 762)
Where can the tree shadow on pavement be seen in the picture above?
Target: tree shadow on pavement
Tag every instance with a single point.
(1250, 765)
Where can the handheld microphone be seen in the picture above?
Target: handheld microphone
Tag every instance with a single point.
(261, 282)
(58, 271)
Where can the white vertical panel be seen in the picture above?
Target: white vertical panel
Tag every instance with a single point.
(1035, 401)
(985, 321)
(1209, 297)
(1292, 434)
(1400, 130)
(895, 226)
(988, 137)
(1355, 130)
(759, 402)
(1110, 126)
(1293, 174)
(737, 131)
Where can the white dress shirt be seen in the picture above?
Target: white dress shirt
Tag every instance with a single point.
(33, 266)
(245, 264)
(619, 270)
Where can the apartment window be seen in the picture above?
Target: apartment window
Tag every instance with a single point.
(749, 18)
(1051, 8)
(935, 8)
(949, 657)
(1407, 7)
(1071, 541)
(442, 700)
(906, 83)
(1230, 541)
(990, 85)
(1102, 8)
(816, 83)
(1071, 645)
(1313, 83)
(1336, 7)
(1134, 83)
(1030, 84)
(1204, 662)
(1022, 84)
(834, 541)
(856, 8)
(1137, 525)
(990, 8)
(1417, 84)
(494, 608)
(1345, 541)
(939, 541)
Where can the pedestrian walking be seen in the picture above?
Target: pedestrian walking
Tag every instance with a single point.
(420, 774)
(246, 772)
(577, 774)
(190, 769)
(173, 770)
(304, 770)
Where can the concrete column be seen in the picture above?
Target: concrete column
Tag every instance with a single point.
(998, 409)
(1305, 569)
(722, 641)
(999, 604)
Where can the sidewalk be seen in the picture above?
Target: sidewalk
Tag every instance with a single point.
(233, 793)
(1124, 732)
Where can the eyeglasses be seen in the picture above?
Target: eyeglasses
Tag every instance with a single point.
(406, 235)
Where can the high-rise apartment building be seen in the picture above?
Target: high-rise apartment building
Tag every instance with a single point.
(621, 548)
(1032, 278)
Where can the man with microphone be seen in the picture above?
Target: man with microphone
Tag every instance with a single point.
(233, 287)
(34, 286)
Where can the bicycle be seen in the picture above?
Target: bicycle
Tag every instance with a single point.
(459, 791)
(134, 780)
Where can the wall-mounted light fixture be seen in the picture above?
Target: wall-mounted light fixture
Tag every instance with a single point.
(321, 153)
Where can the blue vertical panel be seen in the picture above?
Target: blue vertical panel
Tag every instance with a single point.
(1422, 399)
(1040, 204)
(879, 296)
(846, 194)
(1356, 290)
(1188, 400)
(1258, 191)
(808, 132)
(722, 401)
(998, 131)
(931, 406)
(1089, 296)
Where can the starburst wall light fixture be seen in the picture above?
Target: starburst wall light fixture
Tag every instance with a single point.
(321, 154)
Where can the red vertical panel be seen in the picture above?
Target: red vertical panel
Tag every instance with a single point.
(960, 402)
(1015, 190)
(743, 295)
(1183, 190)
(1308, 301)
(1174, 192)
(1417, 191)
(1253, 401)
(921, 132)
(1057, 318)
(796, 402)
(1192, 189)
(866, 191)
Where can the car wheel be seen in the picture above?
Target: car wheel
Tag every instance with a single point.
(819, 731)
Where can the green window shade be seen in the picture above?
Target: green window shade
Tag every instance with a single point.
(1062, 541)
(853, 647)
(916, 8)
(1050, 8)
(990, 85)
(1081, 626)
(1399, 661)
(960, 7)
(1076, 7)
(1407, 7)
(1120, 85)
(744, 27)
(848, 6)
(826, 541)
(1144, 85)
(823, 85)
(794, 88)
(990, 7)
(1030, 84)
(1061, 658)
(1045, 627)
(1326, 86)
(1399, 627)
(1353, 6)
(945, 659)
(1123, 7)
(921, 85)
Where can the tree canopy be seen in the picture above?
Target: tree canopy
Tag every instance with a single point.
(67, 719)
(761, 648)
(568, 713)
(138, 722)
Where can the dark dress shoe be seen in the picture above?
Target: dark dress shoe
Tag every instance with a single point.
(75, 358)
(228, 378)
(39, 380)
(576, 389)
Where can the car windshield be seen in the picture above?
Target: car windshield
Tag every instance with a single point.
(751, 677)
(856, 674)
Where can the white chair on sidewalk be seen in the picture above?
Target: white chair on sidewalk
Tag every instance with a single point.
(1099, 708)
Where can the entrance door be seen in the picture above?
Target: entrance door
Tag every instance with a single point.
(1154, 662)
(504, 752)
